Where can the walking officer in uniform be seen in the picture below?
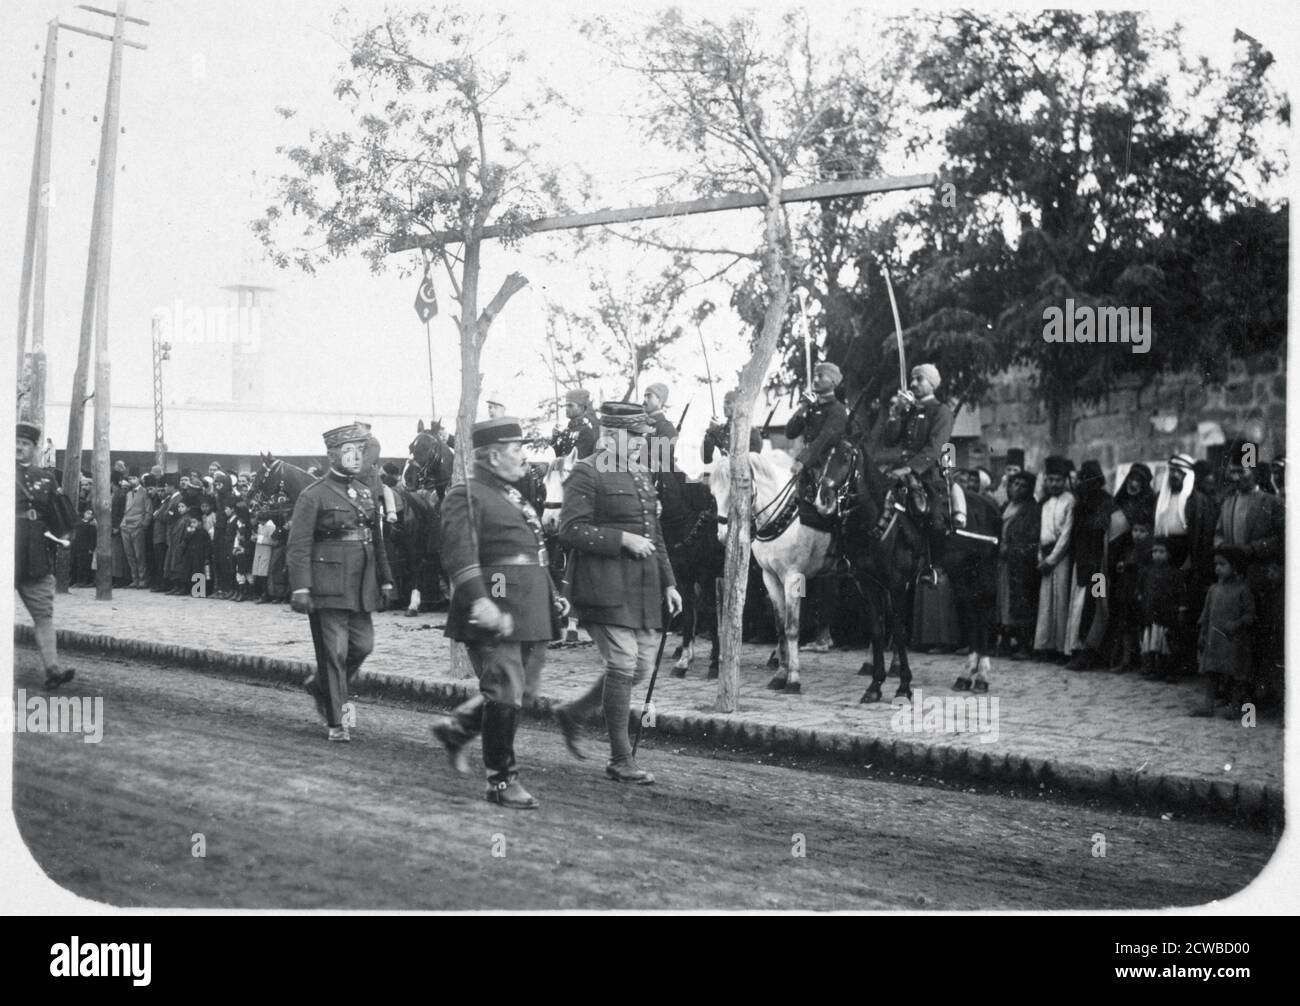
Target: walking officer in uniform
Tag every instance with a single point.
(580, 434)
(41, 507)
(620, 576)
(504, 606)
(338, 569)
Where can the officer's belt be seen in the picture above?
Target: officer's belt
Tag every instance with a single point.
(537, 558)
(350, 534)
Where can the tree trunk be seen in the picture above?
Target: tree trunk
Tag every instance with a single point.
(776, 276)
(1060, 417)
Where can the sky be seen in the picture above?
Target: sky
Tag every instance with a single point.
(196, 160)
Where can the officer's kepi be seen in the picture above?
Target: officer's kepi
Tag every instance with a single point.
(353, 433)
(27, 431)
(504, 430)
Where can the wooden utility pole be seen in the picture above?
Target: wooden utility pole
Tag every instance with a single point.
(31, 295)
(102, 246)
(77, 402)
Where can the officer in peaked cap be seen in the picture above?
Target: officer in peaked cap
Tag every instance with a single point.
(504, 605)
(338, 569)
(621, 577)
(42, 508)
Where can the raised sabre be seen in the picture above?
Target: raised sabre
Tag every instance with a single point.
(898, 328)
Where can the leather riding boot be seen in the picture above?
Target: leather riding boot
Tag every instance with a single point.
(456, 731)
(503, 787)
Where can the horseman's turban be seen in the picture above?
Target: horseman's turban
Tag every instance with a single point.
(579, 396)
(831, 371)
(930, 372)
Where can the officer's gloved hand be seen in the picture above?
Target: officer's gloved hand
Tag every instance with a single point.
(486, 615)
(808, 398)
(300, 601)
(562, 606)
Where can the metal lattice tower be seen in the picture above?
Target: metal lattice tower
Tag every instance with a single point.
(161, 352)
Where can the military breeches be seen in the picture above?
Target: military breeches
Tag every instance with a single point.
(343, 640)
(508, 671)
(38, 596)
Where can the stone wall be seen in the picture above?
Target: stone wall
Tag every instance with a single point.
(1177, 412)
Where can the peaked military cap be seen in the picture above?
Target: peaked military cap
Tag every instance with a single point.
(505, 430)
(28, 431)
(353, 433)
(625, 416)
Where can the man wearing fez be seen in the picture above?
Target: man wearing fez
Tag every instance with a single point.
(504, 606)
(42, 510)
(620, 577)
(718, 435)
(580, 434)
(338, 569)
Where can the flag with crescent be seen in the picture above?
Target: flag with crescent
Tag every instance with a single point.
(426, 301)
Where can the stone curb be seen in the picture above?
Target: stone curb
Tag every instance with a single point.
(1256, 802)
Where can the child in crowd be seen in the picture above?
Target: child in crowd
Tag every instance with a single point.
(1225, 637)
(1125, 598)
(84, 537)
(1162, 595)
(239, 532)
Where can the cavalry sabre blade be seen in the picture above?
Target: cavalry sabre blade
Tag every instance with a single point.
(651, 690)
(898, 327)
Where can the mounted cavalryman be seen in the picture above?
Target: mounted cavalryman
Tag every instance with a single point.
(580, 434)
(821, 420)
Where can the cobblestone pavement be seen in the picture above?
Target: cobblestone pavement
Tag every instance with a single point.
(1096, 724)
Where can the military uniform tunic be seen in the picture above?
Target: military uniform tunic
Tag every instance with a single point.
(579, 434)
(608, 586)
(916, 438)
(822, 425)
(335, 547)
(40, 508)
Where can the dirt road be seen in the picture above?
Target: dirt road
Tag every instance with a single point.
(290, 821)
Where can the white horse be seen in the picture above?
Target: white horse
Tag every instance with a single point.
(556, 473)
(789, 560)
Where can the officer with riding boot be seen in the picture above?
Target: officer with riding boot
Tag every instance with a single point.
(338, 569)
(580, 434)
(620, 574)
(821, 420)
(41, 508)
(504, 606)
(919, 427)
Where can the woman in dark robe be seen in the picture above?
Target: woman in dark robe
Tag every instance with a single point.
(1136, 497)
(1018, 576)
(1101, 536)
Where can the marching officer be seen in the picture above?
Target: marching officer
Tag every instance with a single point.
(580, 434)
(620, 577)
(41, 507)
(718, 435)
(821, 420)
(337, 570)
(504, 605)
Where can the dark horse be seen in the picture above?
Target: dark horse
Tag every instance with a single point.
(276, 485)
(690, 523)
(428, 472)
(885, 570)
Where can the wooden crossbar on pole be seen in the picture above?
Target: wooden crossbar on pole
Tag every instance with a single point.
(634, 214)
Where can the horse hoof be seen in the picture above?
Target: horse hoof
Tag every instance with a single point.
(679, 672)
(962, 684)
(713, 673)
(793, 688)
(903, 693)
(411, 613)
(872, 694)
(777, 684)
(980, 686)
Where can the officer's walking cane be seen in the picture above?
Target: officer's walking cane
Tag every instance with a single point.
(651, 690)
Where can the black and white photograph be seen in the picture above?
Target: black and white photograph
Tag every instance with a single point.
(591, 458)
